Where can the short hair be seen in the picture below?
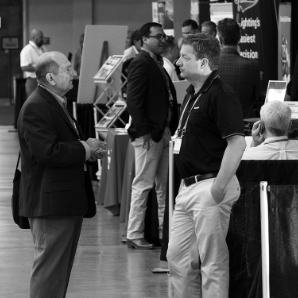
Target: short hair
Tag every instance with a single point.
(170, 43)
(209, 24)
(193, 24)
(276, 116)
(146, 29)
(135, 36)
(46, 64)
(228, 31)
(204, 46)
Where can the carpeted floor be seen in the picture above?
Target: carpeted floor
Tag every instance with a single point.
(6, 112)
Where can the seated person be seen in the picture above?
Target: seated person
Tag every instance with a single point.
(270, 134)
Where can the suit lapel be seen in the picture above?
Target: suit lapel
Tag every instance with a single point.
(56, 106)
(155, 66)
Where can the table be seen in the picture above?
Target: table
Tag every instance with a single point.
(111, 182)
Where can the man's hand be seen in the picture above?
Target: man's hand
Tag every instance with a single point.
(257, 134)
(217, 192)
(147, 139)
(98, 149)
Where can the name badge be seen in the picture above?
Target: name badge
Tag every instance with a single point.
(177, 145)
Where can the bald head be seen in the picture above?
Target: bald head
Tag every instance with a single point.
(54, 71)
(37, 37)
(46, 63)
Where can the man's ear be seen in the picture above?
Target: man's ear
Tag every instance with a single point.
(50, 79)
(144, 39)
(204, 62)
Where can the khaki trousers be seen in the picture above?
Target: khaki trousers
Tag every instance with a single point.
(55, 243)
(152, 166)
(199, 230)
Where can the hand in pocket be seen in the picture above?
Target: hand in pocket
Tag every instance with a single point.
(217, 193)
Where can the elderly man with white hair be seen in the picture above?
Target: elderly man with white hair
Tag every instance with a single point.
(270, 134)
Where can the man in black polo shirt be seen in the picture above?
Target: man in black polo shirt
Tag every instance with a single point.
(209, 145)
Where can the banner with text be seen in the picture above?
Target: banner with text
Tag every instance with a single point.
(247, 15)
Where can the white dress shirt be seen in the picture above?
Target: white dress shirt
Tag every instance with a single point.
(170, 68)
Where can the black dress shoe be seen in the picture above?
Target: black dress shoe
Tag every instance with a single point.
(138, 244)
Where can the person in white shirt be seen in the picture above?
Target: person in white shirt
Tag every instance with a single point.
(170, 54)
(29, 55)
(135, 45)
(270, 134)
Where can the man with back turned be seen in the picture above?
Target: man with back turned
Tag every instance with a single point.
(242, 74)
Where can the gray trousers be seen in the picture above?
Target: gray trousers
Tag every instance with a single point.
(55, 243)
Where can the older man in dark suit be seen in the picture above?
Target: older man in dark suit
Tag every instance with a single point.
(56, 191)
(152, 105)
(242, 74)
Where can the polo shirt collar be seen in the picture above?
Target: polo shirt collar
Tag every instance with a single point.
(208, 83)
(275, 140)
(33, 44)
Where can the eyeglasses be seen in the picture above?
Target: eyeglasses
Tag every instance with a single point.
(159, 37)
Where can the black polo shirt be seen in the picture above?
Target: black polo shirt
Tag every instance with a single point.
(216, 116)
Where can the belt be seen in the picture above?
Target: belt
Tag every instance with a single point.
(195, 179)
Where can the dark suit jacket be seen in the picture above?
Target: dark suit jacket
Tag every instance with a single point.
(148, 98)
(242, 74)
(53, 178)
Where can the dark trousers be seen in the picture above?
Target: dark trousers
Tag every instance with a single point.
(30, 85)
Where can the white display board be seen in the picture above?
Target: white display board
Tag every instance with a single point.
(219, 11)
(95, 35)
(276, 90)
(294, 108)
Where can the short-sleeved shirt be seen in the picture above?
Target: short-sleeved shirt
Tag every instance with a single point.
(216, 116)
(274, 148)
(29, 55)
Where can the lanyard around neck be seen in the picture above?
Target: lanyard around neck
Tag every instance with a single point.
(182, 131)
